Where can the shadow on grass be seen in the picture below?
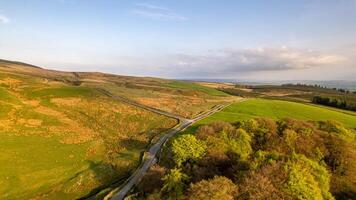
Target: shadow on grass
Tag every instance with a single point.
(106, 175)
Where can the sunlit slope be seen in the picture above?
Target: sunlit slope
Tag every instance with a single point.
(181, 97)
(277, 109)
(60, 141)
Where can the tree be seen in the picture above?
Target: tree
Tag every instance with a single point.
(204, 132)
(307, 179)
(174, 184)
(239, 143)
(187, 147)
(152, 179)
(256, 186)
(290, 138)
(216, 188)
(249, 125)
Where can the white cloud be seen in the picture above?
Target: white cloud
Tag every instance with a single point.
(4, 19)
(156, 12)
(234, 61)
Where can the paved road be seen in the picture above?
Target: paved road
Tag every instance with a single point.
(150, 156)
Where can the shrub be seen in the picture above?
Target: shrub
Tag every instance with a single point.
(290, 138)
(204, 132)
(249, 125)
(307, 179)
(152, 179)
(219, 126)
(331, 126)
(264, 157)
(239, 143)
(187, 147)
(174, 184)
(214, 189)
(256, 186)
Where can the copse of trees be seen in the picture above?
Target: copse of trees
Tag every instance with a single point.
(333, 102)
(259, 159)
(341, 90)
(187, 147)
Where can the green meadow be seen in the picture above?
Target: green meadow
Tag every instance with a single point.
(59, 141)
(278, 109)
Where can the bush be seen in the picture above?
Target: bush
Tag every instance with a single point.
(219, 126)
(336, 127)
(152, 179)
(290, 138)
(256, 186)
(174, 184)
(307, 179)
(261, 158)
(249, 125)
(239, 143)
(217, 188)
(204, 132)
(187, 147)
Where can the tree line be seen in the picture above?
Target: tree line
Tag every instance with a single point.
(256, 159)
(334, 102)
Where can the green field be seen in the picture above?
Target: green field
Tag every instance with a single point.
(278, 109)
(59, 141)
(60, 138)
(194, 86)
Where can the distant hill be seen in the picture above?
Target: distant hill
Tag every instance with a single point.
(342, 84)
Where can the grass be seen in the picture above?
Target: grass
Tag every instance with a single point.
(7, 96)
(277, 109)
(62, 139)
(194, 86)
(33, 164)
(61, 92)
(59, 141)
(183, 98)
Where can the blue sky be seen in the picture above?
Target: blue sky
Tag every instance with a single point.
(251, 39)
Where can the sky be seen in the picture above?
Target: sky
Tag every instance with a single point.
(186, 39)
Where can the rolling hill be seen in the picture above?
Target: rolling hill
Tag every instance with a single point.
(62, 138)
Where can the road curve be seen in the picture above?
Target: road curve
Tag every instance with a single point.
(150, 156)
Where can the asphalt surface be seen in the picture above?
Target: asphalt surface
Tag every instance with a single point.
(150, 157)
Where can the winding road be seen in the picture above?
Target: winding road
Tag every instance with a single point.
(150, 157)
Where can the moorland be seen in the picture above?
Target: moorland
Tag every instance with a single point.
(63, 135)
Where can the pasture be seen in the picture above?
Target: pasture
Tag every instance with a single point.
(278, 109)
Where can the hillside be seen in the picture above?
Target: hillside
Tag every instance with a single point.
(184, 98)
(62, 138)
(278, 109)
(259, 149)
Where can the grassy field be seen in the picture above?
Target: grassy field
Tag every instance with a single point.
(62, 139)
(184, 98)
(181, 97)
(278, 109)
(59, 141)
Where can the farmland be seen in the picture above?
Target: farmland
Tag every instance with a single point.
(278, 109)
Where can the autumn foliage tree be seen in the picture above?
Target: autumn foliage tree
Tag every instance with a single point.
(216, 188)
(187, 147)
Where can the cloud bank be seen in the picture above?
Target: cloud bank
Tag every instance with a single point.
(156, 12)
(233, 61)
(4, 19)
